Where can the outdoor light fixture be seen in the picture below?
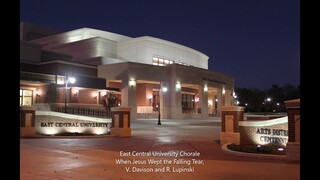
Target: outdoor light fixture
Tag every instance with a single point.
(236, 102)
(178, 86)
(223, 91)
(38, 93)
(280, 149)
(164, 89)
(205, 88)
(265, 105)
(76, 92)
(132, 82)
(72, 80)
(150, 99)
(67, 80)
(216, 100)
(103, 93)
(95, 95)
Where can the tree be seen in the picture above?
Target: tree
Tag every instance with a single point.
(52, 95)
(110, 101)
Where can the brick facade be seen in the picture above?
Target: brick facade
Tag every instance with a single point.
(291, 120)
(238, 116)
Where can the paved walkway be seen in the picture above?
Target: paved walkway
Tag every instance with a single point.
(95, 158)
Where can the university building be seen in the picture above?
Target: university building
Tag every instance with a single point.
(145, 73)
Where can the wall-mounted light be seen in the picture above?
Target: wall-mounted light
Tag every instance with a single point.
(216, 100)
(178, 86)
(76, 92)
(95, 95)
(38, 93)
(205, 88)
(103, 93)
(72, 80)
(164, 89)
(132, 82)
(223, 91)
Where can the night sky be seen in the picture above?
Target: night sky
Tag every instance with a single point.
(255, 41)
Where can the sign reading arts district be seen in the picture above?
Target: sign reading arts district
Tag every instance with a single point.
(275, 136)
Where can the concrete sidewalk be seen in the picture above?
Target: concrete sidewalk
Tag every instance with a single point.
(95, 158)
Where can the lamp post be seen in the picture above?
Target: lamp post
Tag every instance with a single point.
(265, 105)
(164, 89)
(67, 80)
(235, 101)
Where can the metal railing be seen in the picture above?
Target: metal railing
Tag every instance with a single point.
(84, 111)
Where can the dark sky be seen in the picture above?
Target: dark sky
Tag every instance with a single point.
(255, 41)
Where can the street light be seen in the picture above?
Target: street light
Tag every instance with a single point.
(71, 80)
(164, 89)
(235, 101)
(265, 105)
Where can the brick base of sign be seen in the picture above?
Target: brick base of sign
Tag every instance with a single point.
(121, 132)
(293, 151)
(27, 131)
(229, 137)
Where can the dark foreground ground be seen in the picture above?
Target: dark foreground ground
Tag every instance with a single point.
(95, 158)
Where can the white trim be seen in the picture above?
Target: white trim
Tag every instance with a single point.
(264, 122)
(66, 62)
(72, 116)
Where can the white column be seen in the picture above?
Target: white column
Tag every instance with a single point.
(219, 103)
(203, 100)
(228, 98)
(128, 96)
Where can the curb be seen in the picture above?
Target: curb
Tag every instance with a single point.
(268, 156)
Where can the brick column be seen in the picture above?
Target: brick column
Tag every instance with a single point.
(293, 145)
(121, 121)
(27, 121)
(230, 116)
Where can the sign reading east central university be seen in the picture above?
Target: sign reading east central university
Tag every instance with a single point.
(54, 123)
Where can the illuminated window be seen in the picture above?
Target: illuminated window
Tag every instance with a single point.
(155, 61)
(161, 61)
(184, 64)
(25, 97)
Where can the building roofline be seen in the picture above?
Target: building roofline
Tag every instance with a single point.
(166, 42)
